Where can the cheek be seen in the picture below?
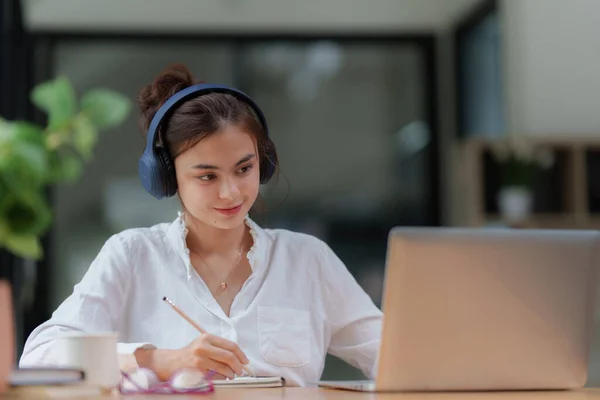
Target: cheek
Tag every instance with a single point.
(251, 185)
(193, 193)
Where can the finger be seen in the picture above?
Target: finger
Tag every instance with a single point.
(218, 367)
(217, 377)
(223, 343)
(225, 357)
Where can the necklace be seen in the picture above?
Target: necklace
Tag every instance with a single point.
(237, 261)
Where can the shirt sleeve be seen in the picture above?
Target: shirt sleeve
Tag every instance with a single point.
(354, 320)
(96, 305)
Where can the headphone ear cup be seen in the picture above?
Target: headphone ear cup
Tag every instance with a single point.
(150, 175)
(168, 171)
(269, 164)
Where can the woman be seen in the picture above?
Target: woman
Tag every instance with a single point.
(273, 299)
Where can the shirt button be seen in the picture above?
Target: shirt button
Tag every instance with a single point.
(231, 335)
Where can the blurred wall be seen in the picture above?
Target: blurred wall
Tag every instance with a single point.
(247, 16)
(242, 15)
(378, 90)
(552, 66)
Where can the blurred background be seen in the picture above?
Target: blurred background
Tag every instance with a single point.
(384, 113)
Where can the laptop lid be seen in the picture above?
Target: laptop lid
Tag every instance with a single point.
(475, 309)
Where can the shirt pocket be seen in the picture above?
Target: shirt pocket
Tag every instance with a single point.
(284, 336)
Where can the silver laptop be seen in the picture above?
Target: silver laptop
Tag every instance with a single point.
(485, 309)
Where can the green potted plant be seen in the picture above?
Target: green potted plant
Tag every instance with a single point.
(33, 157)
(521, 162)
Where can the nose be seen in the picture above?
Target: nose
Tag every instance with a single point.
(229, 189)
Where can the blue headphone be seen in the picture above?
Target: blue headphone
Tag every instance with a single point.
(156, 168)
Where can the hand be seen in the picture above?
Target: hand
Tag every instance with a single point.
(214, 353)
(207, 352)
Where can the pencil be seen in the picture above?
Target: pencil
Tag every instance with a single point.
(195, 325)
(184, 315)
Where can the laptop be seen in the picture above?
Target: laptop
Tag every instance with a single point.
(469, 309)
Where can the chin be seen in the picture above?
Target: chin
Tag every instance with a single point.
(229, 221)
(229, 224)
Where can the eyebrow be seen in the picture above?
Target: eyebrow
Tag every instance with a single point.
(246, 158)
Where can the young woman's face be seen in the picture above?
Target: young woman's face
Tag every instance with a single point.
(218, 178)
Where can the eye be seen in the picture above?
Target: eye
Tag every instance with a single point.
(207, 177)
(245, 169)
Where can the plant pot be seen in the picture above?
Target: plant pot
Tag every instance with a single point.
(515, 203)
(7, 351)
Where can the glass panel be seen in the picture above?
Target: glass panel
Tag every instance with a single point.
(480, 83)
(349, 124)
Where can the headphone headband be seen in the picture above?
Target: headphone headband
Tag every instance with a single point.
(195, 91)
(156, 169)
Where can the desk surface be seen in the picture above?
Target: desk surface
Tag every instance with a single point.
(332, 394)
(294, 393)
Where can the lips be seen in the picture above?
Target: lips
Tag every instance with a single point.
(229, 211)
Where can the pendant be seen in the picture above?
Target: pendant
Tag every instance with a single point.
(223, 285)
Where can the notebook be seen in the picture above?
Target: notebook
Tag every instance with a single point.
(250, 382)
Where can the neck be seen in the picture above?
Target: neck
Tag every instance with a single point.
(205, 239)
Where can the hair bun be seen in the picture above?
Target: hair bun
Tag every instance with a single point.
(173, 79)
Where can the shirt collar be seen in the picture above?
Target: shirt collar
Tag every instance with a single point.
(177, 233)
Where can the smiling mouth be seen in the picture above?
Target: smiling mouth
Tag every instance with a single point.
(230, 210)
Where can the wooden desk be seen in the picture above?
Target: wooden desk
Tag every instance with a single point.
(294, 393)
(332, 394)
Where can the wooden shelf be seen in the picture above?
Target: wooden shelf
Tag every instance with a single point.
(549, 221)
(569, 198)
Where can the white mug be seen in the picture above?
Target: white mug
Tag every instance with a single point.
(94, 353)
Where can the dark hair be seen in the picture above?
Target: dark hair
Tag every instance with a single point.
(198, 117)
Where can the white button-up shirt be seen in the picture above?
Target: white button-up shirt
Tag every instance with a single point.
(299, 303)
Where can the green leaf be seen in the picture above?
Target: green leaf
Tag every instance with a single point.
(4, 230)
(57, 99)
(27, 246)
(105, 108)
(85, 136)
(6, 132)
(26, 213)
(28, 132)
(33, 137)
(26, 168)
(18, 132)
(64, 167)
(6, 135)
(23, 158)
(4, 195)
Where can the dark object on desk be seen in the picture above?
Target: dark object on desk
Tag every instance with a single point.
(45, 376)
